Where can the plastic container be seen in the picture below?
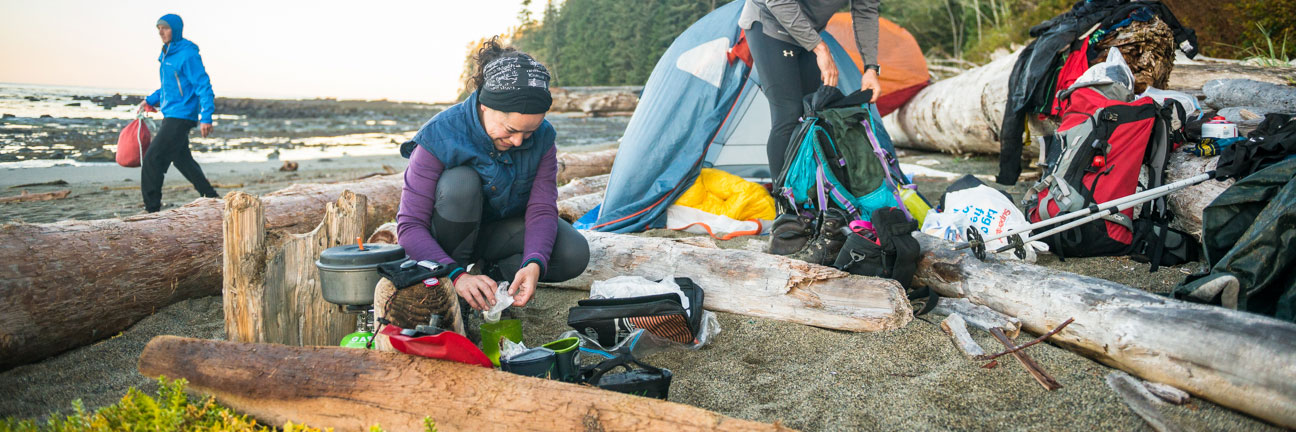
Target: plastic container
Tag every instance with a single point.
(492, 332)
(1219, 128)
(916, 204)
(565, 350)
(537, 362)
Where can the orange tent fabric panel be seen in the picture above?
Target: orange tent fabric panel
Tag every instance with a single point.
(904, 70)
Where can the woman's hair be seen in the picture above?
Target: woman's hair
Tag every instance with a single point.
(488, 52)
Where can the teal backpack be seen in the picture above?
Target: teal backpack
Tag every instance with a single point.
(840, 156)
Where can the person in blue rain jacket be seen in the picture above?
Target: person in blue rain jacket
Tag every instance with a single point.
(186, 100)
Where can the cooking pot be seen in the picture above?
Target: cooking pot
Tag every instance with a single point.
(349, 273)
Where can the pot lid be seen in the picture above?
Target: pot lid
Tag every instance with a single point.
(351, 255)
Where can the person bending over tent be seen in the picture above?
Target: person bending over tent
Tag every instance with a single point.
(186, 99)
(481, 185)
(793, 61)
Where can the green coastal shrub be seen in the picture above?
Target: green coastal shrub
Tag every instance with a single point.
(170, 410)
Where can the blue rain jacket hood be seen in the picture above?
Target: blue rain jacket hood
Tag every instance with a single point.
(186, 90)
(456, 137)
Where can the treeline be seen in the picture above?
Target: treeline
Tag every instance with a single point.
(617, 42)
(606, 42)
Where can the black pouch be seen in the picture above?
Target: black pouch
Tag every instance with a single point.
(609, 321)
(894, 256)
(646, 380)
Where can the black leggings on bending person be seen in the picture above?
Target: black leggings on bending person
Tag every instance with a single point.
(787, 73)
(459, 230)
(171, 145)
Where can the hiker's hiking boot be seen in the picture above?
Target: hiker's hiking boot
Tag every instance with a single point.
(823, 249)
(790, 234)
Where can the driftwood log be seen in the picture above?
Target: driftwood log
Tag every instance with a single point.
(583, 186)
(961, 114)
(70, 283)
(271, 291)
(978, 316)
(596, 100)
(954, 326)
(1140, 400)
(29, 197)
(576, 165)
(573, 208)
(1236, 359)
(352, 389)
(1187, 204)
(751, 283)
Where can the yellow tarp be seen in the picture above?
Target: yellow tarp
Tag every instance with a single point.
(718, 192)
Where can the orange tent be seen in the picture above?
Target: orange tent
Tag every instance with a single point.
(904, 70)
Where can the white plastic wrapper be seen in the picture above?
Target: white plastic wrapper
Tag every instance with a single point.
(985, 209)
(1189, 103)
(502, 301)
(1113, 70)
(508, 348)
(638, 286)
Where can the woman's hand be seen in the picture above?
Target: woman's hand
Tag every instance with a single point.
(477, 290)
(827, 67)
(146, 107)
(524, 284)
(205, 129)
(870, 81)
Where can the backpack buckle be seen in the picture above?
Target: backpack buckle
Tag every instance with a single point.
(1110, 116)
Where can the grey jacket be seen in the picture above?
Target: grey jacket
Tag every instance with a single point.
(800, 21)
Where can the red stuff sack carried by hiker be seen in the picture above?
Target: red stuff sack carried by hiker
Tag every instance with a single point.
(134, 139)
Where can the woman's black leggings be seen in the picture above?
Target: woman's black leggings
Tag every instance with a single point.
(171, 145)
(459, 230)
(787, 73)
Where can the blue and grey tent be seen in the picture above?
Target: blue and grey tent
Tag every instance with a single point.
(702, 107)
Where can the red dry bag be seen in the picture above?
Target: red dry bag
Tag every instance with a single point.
(445, 346)
(133, 141)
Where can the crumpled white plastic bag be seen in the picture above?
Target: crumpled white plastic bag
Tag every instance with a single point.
(502, 301)
(985, 209)
(1113, 70)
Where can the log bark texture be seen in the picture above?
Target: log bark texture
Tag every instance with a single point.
(576, 165)
(596, 100)
(67, 284)
(751, 283)
(353, 389)
(1237, 359)
(272, 291)
(43, 196)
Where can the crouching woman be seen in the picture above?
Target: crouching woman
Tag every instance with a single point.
(481, 186)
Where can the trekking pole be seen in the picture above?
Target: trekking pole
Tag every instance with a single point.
(1140, 198)
(1095, 216)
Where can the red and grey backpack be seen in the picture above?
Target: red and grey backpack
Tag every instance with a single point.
(1097, 155)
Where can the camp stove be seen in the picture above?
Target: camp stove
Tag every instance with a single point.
(348, 275)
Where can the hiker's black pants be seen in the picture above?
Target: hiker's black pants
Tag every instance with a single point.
(459, 230)
(170, 146)
(787, 74)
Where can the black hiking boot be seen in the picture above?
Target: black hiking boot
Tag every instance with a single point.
(823, 250)
(790, 234)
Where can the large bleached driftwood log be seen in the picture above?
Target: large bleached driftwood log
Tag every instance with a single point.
(596, 100)
(961, 114)
(576, 165)
(271, 290)
(752, 283)
(1187, 204)
(352, 389)
(583, 186)
(67, 284)
(1236, 359)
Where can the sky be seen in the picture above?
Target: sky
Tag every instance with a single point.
(396, 50)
